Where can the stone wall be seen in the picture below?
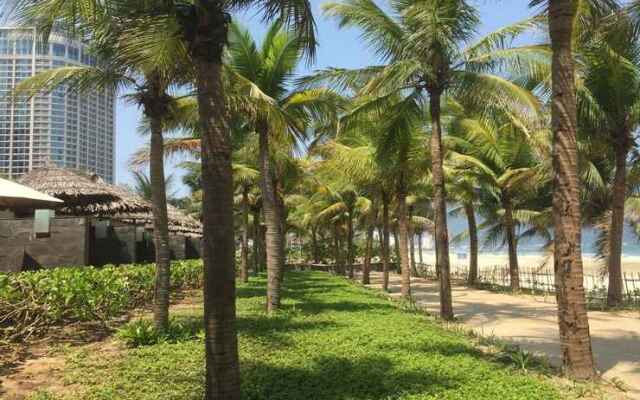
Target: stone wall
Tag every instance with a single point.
(67, 244)
(118, 247)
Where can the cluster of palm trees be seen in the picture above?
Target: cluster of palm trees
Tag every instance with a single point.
(535, 139)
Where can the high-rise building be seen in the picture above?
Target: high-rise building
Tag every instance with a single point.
(70, 129)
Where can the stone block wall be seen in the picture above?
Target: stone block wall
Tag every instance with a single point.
(67, 244)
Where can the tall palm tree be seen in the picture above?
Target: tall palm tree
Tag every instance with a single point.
(497, 155)
(282, 115)
(149, 81)
(421, 44)
(244, 177)
(607, 103)
(575, 340)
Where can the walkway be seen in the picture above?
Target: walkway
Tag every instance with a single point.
(530, 321)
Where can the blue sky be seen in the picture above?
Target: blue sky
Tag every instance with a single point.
(338, 48)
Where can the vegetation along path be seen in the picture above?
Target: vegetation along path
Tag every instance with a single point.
(332, 340)
(531, 322)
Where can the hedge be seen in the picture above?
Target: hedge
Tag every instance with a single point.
(30, 302)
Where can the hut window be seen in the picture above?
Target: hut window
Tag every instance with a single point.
(42, 223)
(102, 227)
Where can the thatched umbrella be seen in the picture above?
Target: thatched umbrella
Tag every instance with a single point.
(83, 194)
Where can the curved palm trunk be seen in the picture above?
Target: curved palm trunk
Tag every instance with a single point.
(350, 247)
(575, 340)
(160, 224)
(440, 209)
(514, 272)
(222, 375)
(385, 242)
(614, 293)
(401, 244)
(473, 244)
(244, 251)
(273, 222)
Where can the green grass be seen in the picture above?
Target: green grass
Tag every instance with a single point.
(333, 340)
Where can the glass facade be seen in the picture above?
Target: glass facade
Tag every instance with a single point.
(70, 129)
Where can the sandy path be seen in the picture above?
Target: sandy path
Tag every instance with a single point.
(530, 321)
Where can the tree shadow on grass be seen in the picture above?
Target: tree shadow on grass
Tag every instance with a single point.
(275, 330)
(318, 307)
(330, 377)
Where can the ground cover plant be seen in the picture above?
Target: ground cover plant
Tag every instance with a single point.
(332, 340)
(31, 302)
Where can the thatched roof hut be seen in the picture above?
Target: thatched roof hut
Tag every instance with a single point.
(83, 193)
(88, 195)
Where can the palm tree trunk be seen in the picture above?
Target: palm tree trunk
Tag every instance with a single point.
(366, 268)
(385, 242)
(514, 272)
(160, 222)
(473, 244)
(440, 208)
(396, 249)
(244, 251)
(401, 245)
(350, 246)
(420, 257)
(614, 294)
(282, 211)
(257, 242)
(273, 222)
(575, 339)
(336, 249)
(222, 375)
(412, 247)
(314, 245)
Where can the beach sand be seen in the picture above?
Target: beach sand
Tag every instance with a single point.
(591, 264)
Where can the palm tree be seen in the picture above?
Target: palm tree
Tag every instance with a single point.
(352, 158)
(282, 115)
(607, 103)
(496, 154)
(149, 82)
(421, 44)
(464, 188)
(575, 340)
(244, 177)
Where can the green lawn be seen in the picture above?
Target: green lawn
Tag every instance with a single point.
(334, 340)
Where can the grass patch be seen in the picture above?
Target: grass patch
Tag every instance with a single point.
(333, 340)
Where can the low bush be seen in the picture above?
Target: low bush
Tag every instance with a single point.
(32, 301)
(142, 332)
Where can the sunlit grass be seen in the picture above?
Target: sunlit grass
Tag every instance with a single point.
(333, 340)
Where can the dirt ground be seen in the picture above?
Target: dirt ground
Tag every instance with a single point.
(39, 364)
(531, 322)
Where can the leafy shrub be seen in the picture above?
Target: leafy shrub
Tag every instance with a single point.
(142, 332)
(32, 301)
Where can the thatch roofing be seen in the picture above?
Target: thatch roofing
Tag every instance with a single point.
(83, 193)
(88, 195)
(179, 222)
